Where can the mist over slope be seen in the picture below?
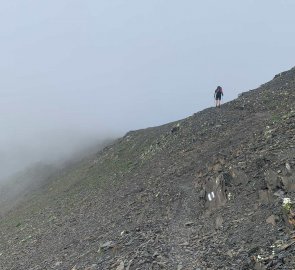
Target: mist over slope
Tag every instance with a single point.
(53, 146)
(205, 192)
(38, 168)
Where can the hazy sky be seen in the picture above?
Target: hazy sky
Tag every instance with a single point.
(72, 70)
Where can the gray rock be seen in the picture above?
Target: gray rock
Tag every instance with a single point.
(272, 180)
(289, 183)
(107, 245)
(92, 267)
(218, 222)
(265, 196)
(239, 177)
(179, 267)
(272, 220)
(188, 224)
(121, 266)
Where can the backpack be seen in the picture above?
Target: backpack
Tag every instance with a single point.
(218, 90)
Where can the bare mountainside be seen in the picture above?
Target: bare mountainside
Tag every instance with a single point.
(206, 192)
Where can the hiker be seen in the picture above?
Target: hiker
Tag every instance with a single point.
(217, 95)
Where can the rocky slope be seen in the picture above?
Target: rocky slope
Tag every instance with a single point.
(203, 193)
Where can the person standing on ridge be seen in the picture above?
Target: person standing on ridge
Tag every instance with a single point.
(217, 96)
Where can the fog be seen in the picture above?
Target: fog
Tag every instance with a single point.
(76, 72)
(55, 147)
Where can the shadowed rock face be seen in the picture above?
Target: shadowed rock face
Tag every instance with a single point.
(206, 192)
(216, 191)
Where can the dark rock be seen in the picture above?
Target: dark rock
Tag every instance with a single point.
(288, 183)
(272, 180)
(265, 196)
(272, 220)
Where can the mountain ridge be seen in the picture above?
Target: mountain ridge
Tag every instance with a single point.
(204, 192)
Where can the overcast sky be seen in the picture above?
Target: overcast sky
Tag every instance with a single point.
(75, 70)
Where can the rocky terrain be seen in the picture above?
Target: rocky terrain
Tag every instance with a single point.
(213, 191)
